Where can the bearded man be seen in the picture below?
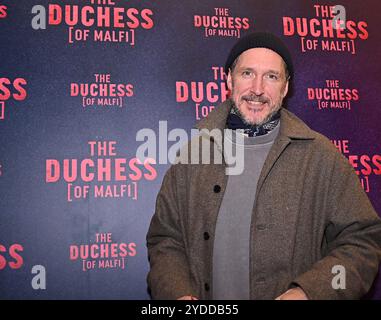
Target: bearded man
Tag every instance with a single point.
(284, 227)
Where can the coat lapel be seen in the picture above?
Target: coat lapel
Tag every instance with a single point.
(291, 129)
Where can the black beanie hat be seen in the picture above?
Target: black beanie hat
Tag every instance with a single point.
(261, 40)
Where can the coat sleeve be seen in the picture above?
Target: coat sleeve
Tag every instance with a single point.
(353, 241)
(169, 276)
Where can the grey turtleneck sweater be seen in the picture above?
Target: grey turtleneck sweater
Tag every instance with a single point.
(232, 235)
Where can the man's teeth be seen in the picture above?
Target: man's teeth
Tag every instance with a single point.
(256, 103)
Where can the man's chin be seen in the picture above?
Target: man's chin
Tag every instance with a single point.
(256, 117)
(254, 122)
(259, 119)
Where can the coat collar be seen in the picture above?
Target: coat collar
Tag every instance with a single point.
(291, 127)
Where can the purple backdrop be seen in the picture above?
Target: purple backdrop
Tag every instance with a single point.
(79, 79)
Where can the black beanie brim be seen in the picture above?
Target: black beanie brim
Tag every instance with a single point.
(261, 40)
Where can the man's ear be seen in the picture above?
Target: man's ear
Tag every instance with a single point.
(285, 89)
(229, 81)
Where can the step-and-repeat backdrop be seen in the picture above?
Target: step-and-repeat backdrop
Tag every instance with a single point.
(80, 80)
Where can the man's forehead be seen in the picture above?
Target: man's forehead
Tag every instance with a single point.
(260, 54)
(260, 57)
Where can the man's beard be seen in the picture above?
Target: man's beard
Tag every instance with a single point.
(257, 99)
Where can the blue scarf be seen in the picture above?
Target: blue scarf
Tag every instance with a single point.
(234, 121)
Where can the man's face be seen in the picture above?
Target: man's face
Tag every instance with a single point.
(258, 84)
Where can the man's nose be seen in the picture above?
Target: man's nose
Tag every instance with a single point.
(257, 85)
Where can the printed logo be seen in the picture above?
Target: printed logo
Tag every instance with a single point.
(205, 95)
(99, 21)
(102, 92)
(3, 11)
(364, 164)
(325, 32)
(332, 96)
(11, 89)
(102, 175)
(103, 254)
(221, 24)
(11, 257)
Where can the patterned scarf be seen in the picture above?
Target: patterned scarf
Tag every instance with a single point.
(234, 121)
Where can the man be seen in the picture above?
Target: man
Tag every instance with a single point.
(284, 227)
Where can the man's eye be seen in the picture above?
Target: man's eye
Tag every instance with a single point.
(272, 76)
(246, 73)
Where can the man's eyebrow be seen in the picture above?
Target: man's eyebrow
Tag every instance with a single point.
(273, 71)
(268, 71)
(246, 68)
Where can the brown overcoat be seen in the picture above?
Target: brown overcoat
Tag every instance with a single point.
(310, 215)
